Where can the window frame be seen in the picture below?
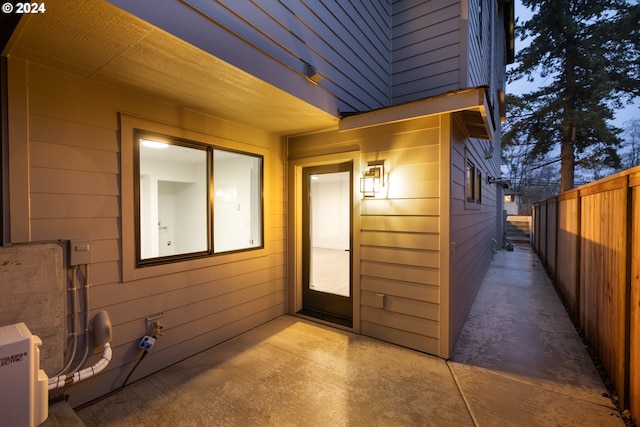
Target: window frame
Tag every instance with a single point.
(478, 186)
(199, 129)
(261, 200)
(140, 134)
(472, 184)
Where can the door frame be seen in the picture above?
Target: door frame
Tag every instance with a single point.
(323, 303)
(295, 233)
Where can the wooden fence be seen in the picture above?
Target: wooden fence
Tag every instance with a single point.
(589, 240)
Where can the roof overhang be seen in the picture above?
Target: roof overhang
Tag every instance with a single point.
(472, 106)
(102, 43)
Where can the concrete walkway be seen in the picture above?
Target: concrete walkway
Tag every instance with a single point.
(519, 359)
(518, 362)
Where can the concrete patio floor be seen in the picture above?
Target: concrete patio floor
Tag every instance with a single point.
(518, 362)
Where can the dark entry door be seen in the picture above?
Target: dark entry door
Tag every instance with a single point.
(327, 262)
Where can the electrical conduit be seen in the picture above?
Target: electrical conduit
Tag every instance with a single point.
(102, 334)
(63, 380)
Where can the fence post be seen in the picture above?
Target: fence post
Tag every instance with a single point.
(578, 298)
(534, 227)
(628, 295)
(634, 297)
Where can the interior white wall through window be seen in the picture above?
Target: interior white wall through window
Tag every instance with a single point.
(173, 200)
(237, 201)
(196, 200)
(330, 232)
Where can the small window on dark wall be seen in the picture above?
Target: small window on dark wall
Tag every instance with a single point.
(176, 206)
(470, 178)
(473, 183)
(478, 186)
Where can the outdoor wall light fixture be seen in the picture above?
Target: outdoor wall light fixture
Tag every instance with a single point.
(505, 183)
(372, 179)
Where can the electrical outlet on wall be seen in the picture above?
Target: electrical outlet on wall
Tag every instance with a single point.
(154, 323)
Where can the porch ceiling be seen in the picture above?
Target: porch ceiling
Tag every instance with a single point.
(103, 43)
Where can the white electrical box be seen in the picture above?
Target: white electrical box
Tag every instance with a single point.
(80, 252)
(24, 394)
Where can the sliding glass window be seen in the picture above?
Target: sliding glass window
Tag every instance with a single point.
(237, 215)
(176, 207)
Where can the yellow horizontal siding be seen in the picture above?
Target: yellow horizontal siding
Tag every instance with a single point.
(399, 231)
(401, 321)
(75, 192)
(422, 241)
(55, 205)
(199, 299)
(401, 207)
(422, 275)
(410, 257)
(103, 273)
(60, 181)
(400, 235)
(402, 288)
(415, 224)
(106, 250)
(59, 156)
(410, 307)
(108, 293)
(70, 132)
(62, 229)
(401, 337)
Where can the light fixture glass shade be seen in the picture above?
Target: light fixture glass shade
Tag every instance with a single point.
(370, 182)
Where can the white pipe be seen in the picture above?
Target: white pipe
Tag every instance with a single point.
(87, 337)
(74, 321)
(63, 380)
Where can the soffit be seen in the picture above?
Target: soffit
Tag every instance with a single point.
(471, 104)
(103, 43)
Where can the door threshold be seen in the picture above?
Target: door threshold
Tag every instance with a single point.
(326, 317)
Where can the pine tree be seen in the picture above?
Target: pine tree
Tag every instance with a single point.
(589, 50)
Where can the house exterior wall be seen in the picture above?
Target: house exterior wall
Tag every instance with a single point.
(71, 172)
(346, 41)
(473, 225)
(370, 54)
(511, 207)
(399, 250)
(480, 20)
(476, 230)
(79, 178)
(422, 244)
(487, 52)
(428, 49)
